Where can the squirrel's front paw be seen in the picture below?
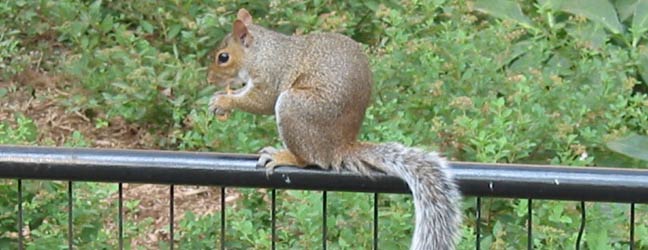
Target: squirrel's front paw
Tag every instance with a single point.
(220, 104)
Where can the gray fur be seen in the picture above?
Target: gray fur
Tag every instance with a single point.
(436, 197)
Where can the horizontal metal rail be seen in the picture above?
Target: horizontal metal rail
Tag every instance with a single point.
(197, 168)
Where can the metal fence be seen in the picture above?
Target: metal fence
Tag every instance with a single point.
(232, 170)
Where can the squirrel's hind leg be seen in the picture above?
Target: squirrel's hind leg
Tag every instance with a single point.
(271, 157)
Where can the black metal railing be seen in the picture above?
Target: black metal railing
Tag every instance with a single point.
(230, 170)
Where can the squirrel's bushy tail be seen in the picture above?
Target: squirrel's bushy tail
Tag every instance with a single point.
(436, 197)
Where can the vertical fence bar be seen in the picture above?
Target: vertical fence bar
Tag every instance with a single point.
(477, 224)
(375, 222)
(70, 236)
(20, 216)
(171, 217)
(324, 220)
(274, 218)
(121, 216)
(582, 225)
(222, 226)
(632, 220)
(529, 225)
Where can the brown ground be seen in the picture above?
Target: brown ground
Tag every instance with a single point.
(39, 96)
(154, 203)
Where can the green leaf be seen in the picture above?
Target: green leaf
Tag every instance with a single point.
(591, 33)
(106, 24)
(643, 66)
(372, 5)
(600, 11)
(626, 8)
(504, 9)
(517, 51)
(559, 64)
(173, 31)
(642, 233)
(598, 239)
(550, 4)
(635, 146)
(437, 3)
(639, 21)
(146, 26)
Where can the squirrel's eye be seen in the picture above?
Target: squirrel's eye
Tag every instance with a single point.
(223, 57)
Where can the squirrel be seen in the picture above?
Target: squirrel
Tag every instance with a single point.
(318, 86)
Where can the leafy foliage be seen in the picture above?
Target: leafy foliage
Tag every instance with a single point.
(491, 81)
(23, 132)
(45, 204)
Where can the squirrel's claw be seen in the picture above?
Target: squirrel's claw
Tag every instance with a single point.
(266, 161)
(270, 166)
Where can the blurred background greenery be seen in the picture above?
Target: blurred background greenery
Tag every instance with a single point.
(546, 81)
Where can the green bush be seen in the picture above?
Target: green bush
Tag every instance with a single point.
(21, 131)
(488, 81)
(45, 203)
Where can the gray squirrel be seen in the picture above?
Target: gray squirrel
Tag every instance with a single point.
(319, 86)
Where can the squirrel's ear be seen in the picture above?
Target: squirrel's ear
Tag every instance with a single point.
(241, 33)
(244, 16)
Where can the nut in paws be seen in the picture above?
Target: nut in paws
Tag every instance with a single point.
(220, 104)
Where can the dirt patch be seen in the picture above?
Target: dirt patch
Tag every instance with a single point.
(39, 96)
